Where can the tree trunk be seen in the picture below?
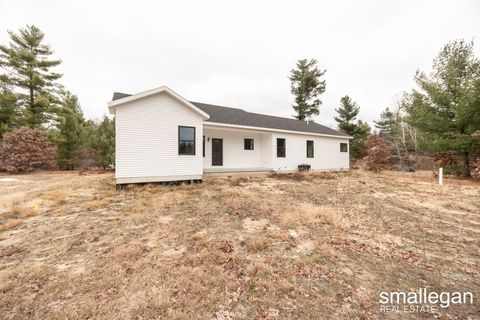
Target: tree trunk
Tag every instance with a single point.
(398, 149)
(32, 99)
(32, 104)
(466, 164)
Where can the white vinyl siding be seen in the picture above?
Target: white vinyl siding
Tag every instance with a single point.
(327, 155)
(147, 139)
(234, 154)
(267, 151)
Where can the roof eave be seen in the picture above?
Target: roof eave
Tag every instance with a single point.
(219, 124)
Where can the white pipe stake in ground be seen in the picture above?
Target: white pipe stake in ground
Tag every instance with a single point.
(440, 176)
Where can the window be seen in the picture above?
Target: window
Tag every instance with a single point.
(309, 149)
(186, 140)
(343, 147)
(203, 146)
(247, 144)
(281, 148)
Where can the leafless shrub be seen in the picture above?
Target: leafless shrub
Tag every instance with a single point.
(444, 159)
(423, 162)
(476, 169)
(449, 162)
(377, 154)
(25, 149)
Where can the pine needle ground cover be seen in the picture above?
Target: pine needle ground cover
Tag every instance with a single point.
(312, 246)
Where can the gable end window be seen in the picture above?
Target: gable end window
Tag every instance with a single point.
(310, 152)
(343, 147)
(186, 140)
(281, 148)
(247, 144)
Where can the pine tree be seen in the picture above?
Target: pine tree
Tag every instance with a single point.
(347, 114)
(359, 141)
(307, 87)
(8, 107)
(388, 123)
(395, 128)
(446, 108)
(389, 130)
(28, 64)
(359, 130)
(103, 142)
(70, 133)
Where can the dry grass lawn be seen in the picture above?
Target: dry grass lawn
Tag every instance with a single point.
(281, 247)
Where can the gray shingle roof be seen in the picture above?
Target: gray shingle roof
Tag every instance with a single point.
(241, 117)
(119, 95)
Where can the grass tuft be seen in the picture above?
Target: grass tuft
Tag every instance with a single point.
(10, 224)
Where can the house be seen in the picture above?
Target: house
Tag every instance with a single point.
(160, 136)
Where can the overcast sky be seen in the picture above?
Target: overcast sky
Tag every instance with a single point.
(240, 53)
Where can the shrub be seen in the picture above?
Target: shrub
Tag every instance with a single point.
(25, 149)
(444, 159)
(423, 162)
(476, 169)
(476, 164)
(377, 154)
(86, 157)
(449, 162)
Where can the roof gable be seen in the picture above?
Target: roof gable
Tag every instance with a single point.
(122, 98)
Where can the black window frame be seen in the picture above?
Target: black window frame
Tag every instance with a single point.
(194, 141)
(245, 144)
(284, 148)
(313, 149)
(343, 144)
(203, 146)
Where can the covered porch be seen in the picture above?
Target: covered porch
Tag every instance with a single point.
(233, 150)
